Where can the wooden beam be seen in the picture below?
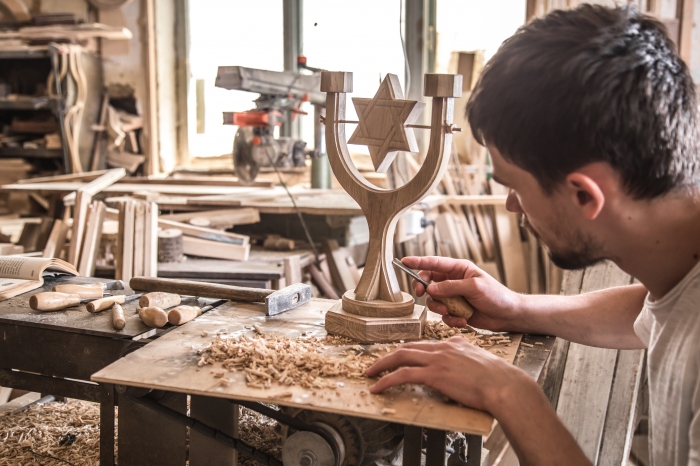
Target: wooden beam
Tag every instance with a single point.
(91, 242)
(205, 248)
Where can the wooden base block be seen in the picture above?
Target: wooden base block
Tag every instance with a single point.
(376, 329)
(378, 308)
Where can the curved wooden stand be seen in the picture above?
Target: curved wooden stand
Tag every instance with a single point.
(383, 127)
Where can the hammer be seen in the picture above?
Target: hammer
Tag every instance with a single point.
(276, 301)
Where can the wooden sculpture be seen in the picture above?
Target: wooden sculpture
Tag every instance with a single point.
(377, 310)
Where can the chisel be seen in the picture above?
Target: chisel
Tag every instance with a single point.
(456, 305)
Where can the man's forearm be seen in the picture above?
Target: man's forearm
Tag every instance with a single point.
(602, 318)
(533, 429)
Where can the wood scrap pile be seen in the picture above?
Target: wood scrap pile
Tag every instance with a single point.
(259, 432)
(309, 362)
(285, 361)
(52, 434)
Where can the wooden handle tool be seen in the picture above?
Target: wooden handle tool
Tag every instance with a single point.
(53, 301)
(118, 319)
(160, 299)
(456, 305)
(276, 301)
(154, 317)
(183, 314)
(104, 303)
(108, 301)
(87, 291)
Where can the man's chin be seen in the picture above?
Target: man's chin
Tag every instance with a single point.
(573, 261)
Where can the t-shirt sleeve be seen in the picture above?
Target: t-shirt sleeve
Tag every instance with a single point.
(642, 326)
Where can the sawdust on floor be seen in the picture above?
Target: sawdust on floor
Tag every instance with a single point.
(34, 437)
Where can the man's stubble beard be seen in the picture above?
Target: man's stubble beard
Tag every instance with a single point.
(582, 252)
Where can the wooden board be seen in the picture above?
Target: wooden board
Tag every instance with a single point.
(204, 248)
(588, 378)
(170, 363)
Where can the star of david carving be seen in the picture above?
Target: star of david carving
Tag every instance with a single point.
(383, 121)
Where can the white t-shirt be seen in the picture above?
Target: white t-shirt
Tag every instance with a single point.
(670, 328)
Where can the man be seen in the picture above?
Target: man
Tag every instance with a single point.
(590, 118)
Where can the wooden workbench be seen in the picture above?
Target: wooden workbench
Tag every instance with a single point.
(57, 352)
(170, 364)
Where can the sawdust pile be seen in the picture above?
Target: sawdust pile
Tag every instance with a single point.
(35, 436)
(307, 362)
(258, 431)
(301, 362)
(438, 330)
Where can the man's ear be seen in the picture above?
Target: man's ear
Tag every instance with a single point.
(586, 194)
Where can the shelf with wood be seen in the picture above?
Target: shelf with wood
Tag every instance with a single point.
(28, 103)
(12, 152)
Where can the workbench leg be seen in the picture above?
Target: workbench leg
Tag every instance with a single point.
(412, 445)
(435, 448)
(474, 444)
(147, 437)
(107, 426)
(220, 414)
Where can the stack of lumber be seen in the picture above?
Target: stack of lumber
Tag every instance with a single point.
(108, 224)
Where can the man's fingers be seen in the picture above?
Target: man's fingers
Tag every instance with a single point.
(401, 376)
(401, 357)
(447, 288)
(452, 321)
(446, 265)
(436, 306)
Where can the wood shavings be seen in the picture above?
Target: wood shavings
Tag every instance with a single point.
(539, 343)
(438, 330)
(285, 361)
(527, 345)
(388, 411)
(40, 428)
(259, 432)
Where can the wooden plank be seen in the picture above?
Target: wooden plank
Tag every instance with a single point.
(619, 425)
(219, 219)
(343, 278)
(86, 176)
(685, 41)
(589, 373)
(126, 231)
(292, 270)
(553, 373)
(56, 240)
(80, 209)
(205, 248)
(323, 282)
(205, 233)
(139, 232)
(95, 186)
(511, 247)
(450, 236)
(150, 245)
(91, 242)
(169, 363)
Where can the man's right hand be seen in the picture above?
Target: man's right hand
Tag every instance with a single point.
(495, 306)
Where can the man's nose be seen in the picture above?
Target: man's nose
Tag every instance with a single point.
(513, 203)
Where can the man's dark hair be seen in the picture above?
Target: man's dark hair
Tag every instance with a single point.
(587, 85)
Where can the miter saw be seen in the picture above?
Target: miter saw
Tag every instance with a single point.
(281, 93)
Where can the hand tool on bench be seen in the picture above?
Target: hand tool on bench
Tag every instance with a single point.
(108, 301)
(55, 301)
(456, 305)
(276, 301)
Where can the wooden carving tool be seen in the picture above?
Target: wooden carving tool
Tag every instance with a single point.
(87, 291)
(118, 316)
(276, 301)
(183, 314)
(456, 305)
(159, 299)
(53, 301)
(154, 317)
(107, 302)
